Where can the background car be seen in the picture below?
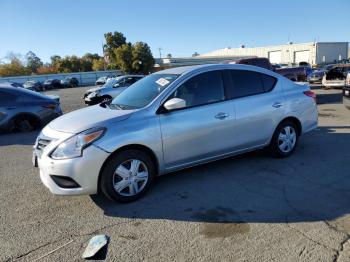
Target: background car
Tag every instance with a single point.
(110, 90)
(24, 110)
(336, 76)
(34, 86)
(52, 83)
(70, 82)
(101, 80)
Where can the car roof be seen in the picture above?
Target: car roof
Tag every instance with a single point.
(188, 69)
(17, 90)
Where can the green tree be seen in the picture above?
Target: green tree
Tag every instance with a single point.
(98, 64)
(113, 42)
(195, 54)
(14, 68)
(169, 56)
(33, 62)
(123, 55)
(142, 58)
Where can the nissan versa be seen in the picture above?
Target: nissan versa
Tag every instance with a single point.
(168, 121)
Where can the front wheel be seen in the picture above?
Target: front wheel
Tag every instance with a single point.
(127, 176)
(284, 140)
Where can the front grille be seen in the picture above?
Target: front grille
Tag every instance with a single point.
(42, 143)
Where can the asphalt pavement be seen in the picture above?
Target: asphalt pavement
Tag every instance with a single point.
(246, 208)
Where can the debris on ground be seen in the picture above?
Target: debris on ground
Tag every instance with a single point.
(95, 245)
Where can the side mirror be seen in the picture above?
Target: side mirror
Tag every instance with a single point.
(174, 103)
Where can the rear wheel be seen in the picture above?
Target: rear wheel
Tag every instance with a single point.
(127, 176)
(22, 124)
(284, 140)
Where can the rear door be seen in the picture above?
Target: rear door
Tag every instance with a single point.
(204, 128)
(258, 104)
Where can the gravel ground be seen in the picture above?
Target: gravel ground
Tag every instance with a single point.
(246, 208)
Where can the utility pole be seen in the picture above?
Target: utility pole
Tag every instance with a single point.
(160, 52)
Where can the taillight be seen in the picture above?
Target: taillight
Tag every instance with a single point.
(50, 106)
(348, 81)
(311, 94)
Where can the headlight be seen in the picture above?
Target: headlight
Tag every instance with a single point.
(74, 146)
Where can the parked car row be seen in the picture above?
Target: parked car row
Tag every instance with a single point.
(48, 84)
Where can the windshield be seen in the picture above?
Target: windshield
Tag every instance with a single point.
(141, 93)
(112, 81)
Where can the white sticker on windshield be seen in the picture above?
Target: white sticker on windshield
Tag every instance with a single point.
(162, 81)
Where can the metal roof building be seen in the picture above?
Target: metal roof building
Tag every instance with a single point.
(313, 53)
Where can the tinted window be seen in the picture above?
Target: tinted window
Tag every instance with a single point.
(247, 83)
(269, 82)
(202, 89)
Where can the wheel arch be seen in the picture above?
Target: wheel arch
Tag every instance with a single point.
(33, 119)
(293, 119)
(139, 147)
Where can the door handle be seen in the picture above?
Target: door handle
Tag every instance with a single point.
(277, 105)
(221, 115)
(10, 107)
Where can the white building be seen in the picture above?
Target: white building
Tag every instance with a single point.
(313, 53)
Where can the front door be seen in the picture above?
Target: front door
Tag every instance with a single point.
(204, 128)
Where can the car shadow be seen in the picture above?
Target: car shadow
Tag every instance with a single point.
(311, 185)
(19, 138)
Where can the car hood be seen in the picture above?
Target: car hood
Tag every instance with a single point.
(94, 89)
(85, 118)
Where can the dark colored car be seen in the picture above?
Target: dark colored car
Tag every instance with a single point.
(316, 76)
(24, 110)
(52, 83)
(292, 73)
(34, 86)
(70, 82)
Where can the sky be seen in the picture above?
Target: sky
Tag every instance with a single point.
(179, 27)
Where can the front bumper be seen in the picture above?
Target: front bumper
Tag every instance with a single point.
(92, 100)
(83, 170)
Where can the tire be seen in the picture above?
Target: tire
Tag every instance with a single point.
(21, 124)
(283, 148)
(105, 99)
(128, 184)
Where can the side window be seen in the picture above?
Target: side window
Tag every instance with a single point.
(202, 89)
(247, 83)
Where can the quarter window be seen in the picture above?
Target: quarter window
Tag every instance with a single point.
(202, 89)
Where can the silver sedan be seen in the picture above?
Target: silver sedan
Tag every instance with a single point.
(171, 120)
